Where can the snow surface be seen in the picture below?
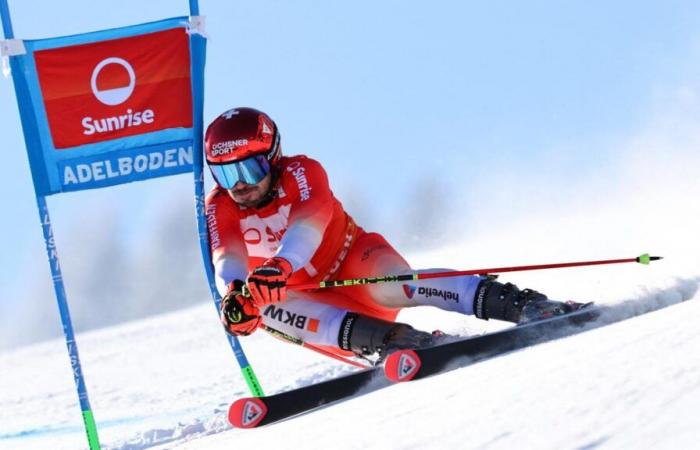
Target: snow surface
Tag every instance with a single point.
(166, 382)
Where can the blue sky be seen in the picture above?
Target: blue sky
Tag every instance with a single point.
(422, 113)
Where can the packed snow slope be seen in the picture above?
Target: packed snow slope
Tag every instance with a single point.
(167, 381)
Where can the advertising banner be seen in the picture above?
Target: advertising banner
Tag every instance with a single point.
(108, 107)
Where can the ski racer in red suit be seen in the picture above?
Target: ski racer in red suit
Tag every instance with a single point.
(273, 221)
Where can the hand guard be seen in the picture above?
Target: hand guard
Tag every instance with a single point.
(268, 283)
(239, 315)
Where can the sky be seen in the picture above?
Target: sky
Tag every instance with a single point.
(435, 123)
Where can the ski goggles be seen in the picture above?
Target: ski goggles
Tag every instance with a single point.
(249, 171)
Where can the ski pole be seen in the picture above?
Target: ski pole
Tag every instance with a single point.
(642, 259)
(300, 342)
(294, 340)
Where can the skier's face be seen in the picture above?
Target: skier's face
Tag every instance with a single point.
(249, 195)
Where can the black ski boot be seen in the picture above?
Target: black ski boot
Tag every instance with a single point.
(494, 300)
(366, 336)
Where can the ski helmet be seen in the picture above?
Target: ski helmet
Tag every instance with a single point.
(241, 145)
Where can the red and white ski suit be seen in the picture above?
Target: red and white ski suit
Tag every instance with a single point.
(306, 225)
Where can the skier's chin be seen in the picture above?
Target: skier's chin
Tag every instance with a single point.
(252, 194)
(249, 196)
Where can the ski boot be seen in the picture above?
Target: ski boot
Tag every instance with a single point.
(366, 336)
(494, 300)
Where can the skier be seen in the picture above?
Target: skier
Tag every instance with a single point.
(273, 221)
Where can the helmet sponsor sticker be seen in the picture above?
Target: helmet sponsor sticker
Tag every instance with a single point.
(230, 113)
(226, 147)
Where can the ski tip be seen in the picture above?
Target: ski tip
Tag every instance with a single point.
(402, 365)
(247, 412)
(646, 259)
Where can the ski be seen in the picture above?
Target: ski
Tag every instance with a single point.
(405, 365)
(412, 364)
(251, 412)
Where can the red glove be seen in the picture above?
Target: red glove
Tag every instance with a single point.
(268, 283)
(238, 313)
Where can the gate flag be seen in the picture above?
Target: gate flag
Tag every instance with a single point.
(111, 107)
(108, 107)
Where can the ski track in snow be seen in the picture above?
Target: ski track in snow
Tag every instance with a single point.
(166, 382)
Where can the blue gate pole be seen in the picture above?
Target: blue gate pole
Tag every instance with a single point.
(61, 299)
(198, 57)
(88, 417)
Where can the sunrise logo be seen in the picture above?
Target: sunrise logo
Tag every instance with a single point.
(113, 96)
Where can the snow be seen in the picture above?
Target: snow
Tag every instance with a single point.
(166, 382)
(549, 396)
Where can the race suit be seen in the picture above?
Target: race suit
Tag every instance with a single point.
(305, 224)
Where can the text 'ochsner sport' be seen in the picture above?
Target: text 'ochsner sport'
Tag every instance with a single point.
(127, 165)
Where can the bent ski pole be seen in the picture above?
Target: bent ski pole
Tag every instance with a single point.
(294, 340)
(642, 259)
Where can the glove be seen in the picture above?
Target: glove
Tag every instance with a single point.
(268, 283)
(239, 315)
